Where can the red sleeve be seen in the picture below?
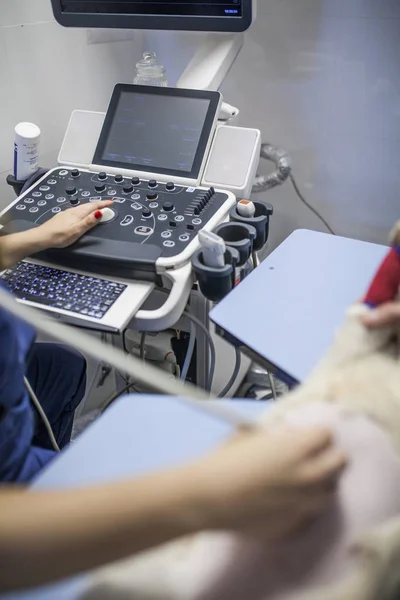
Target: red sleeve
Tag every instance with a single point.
(385, 285)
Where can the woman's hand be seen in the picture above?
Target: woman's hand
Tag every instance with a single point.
(272, 482)
(68, 226)
(386, 315)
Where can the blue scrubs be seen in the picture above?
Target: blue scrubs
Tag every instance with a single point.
(58, 377)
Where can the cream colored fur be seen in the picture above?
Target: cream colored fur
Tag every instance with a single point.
(361, 374)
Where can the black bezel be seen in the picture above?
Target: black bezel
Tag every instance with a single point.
(165, 22)
(212, 97)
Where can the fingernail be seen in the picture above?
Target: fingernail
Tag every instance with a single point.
(98, 214)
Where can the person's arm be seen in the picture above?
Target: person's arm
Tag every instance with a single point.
(63, 229)
(271, 481)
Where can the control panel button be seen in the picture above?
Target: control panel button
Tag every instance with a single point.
(95, 199)
(44, 188)
(168, 206)
(56, 209)
(153, 183)
(169, 243)
(85, 194)
(61, 199)
(127, 220)
(29, 200)
(135, 196)
(127, 189)
(20, 207)
(179, 218)
(143, 230)
(52, 181)
(118, 179)
(166, 234)
(185, 237)
(170, 186)
(152, 196)
(75, 173)
(190, 227)
(153, 205)
(70, 191)
(74, 201)
(42, 203)
(102, 176)
(162, 217)
(49, 196)
(37, 194)
(100, 187)
(135, 180)
(34, 209)
(136, 206)
(63, 173)
(119, 200)
(196, 221)
(108, 215)
(172, 224)
(146, 213)
(112, 192)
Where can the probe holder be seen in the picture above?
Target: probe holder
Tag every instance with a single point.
(239, 236)
(216, 282)
(260, 222)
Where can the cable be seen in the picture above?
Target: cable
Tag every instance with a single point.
(272, 384)
(115, 396)
(189, 353)
(188, 393)
(198, 323)
(142, 345)
(313, 210)
(238, 361)
(42, 415)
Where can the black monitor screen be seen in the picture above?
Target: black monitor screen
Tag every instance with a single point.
(209, 8)
(190, 15)
(157, 130)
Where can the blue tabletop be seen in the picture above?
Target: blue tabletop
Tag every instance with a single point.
(136, 435)
(288, 309)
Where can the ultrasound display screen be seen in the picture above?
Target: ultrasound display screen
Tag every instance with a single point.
(157, 132)
(208, 8)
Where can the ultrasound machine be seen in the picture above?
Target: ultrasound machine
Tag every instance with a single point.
(164, 158)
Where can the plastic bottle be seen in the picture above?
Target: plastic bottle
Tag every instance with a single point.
(26, 150)
(149, 71)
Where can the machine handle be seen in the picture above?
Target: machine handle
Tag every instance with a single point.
(171, 311)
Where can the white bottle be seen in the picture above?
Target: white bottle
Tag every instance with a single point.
(26, 150)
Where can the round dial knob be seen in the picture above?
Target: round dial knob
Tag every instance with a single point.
(100, 187)
(152, 183)
(102, 176)
(146, 213)
(70, 191)
(127, 189)
(118, 179)
(75, 173)
(135, 180)
(170, 186)
(152, 196)
(168, 206)
(74, 201)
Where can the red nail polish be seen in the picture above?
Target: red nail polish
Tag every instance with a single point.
(98, 214)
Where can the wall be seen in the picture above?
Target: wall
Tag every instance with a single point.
(319, 77)
(322, 79)
(46, 71)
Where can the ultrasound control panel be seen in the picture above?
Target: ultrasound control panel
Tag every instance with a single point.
(152, 226)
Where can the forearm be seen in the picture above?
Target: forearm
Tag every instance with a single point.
(51, 535)
(16, 246)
